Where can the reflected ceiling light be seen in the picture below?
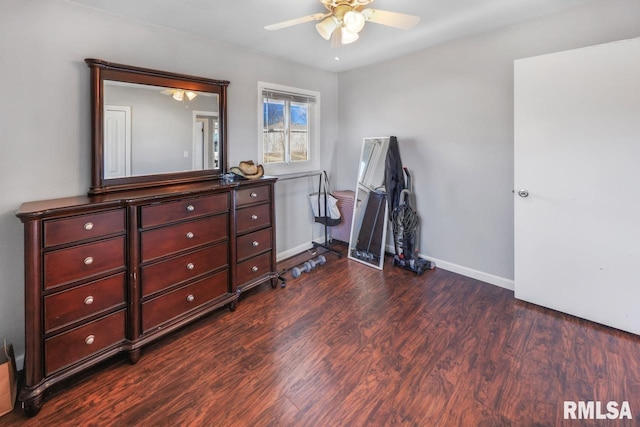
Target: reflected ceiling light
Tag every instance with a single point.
(178, 94)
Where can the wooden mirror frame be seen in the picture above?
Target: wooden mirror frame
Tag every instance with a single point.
(103, 70)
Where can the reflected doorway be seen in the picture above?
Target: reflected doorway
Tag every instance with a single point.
(205, 140)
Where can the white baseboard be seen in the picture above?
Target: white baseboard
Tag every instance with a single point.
(474, 274)
(466, 271)
(298, 249)
(445, 265)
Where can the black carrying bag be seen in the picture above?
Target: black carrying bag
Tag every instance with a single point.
(324, 204)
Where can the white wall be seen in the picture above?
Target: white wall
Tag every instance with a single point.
(451, 107)
(45, 116)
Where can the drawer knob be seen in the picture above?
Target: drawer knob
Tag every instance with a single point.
(190, 235)
(90, 339)
(190, 298)
(88, 226)
(88, 300)
(254, 217)
(88, 260)
(254, 268)
(255, 243)
(190, 266)
(191, 208)
(254, 195)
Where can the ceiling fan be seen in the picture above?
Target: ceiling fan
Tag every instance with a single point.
(346, 18)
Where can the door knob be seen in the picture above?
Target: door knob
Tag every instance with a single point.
(523, 193)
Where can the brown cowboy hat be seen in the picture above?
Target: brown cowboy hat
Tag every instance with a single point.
(248, 169)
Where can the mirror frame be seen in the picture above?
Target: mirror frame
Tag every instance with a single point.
(103, 70)
(359, 210)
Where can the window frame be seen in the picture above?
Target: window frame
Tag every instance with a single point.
(313, 116)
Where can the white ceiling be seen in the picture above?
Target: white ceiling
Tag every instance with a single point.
(241, 23)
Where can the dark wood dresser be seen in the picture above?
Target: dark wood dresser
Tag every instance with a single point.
(255, 236)
(110, 273)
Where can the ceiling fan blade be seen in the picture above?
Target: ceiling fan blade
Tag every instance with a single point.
(296, 21)
(392, 19)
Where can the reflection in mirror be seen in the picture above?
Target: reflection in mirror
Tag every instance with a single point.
(155, 130)
(369, 224)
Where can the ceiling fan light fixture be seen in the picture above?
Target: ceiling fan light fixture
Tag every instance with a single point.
(346, 18)
(348, 36)
(191, 95)
(353, 21)
(326, 27)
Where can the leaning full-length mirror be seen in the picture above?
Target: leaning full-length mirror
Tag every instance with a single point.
(370, 214)
(154, 127)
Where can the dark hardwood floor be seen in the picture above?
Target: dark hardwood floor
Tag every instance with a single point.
(348, 345)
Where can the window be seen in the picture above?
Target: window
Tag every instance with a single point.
(288, 128)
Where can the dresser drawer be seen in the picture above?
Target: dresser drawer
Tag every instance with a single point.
(254, 268)
(171, 239)
(164, 213)
(74, 345)
(68, 230)
(158, 276)
(253, 218)
(254, 243)
(83, 261)
(83, 301)
(245, 196)
(175, 303)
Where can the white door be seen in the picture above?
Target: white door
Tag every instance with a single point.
(577, 154)
(204, 153)
(117, 141)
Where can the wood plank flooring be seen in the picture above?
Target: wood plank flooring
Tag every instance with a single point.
(348, 345)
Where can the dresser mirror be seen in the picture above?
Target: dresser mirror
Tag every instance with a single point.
(152, 128)
(370, 213)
